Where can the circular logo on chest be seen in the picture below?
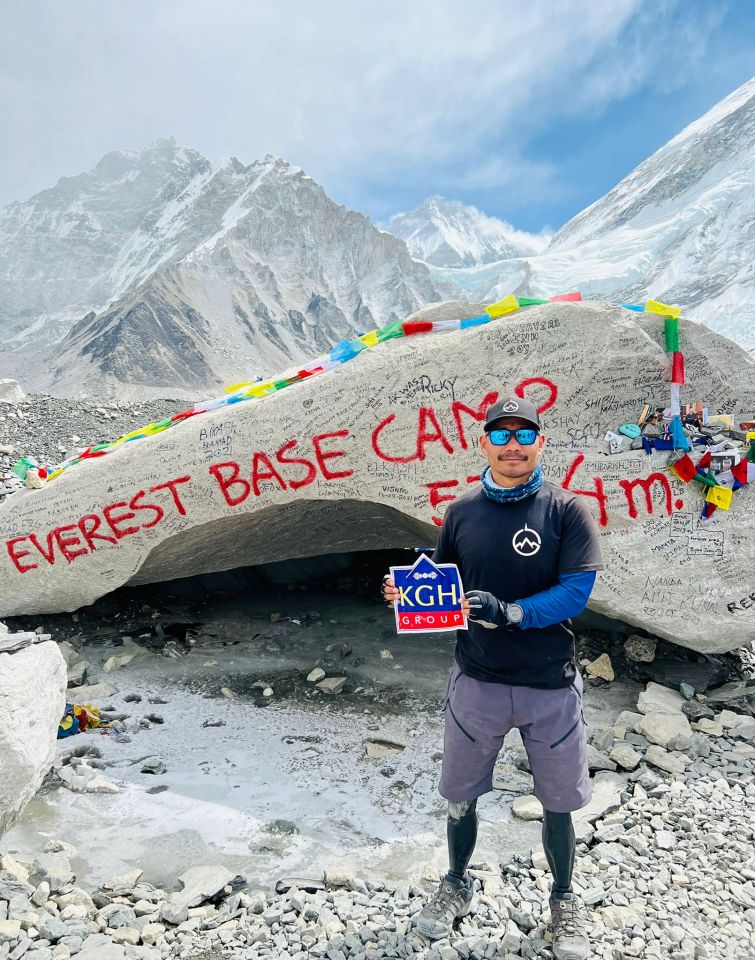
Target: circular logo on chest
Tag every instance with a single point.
(526, 541)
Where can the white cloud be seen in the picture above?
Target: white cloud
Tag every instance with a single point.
(379, 89)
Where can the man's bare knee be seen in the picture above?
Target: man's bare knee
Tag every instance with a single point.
(457, 811)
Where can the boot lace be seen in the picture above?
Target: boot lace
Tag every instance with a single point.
(442, 899)
(567, 918)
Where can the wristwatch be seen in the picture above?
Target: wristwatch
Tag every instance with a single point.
(514, 615)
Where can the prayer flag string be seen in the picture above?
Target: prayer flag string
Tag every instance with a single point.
(345, 351)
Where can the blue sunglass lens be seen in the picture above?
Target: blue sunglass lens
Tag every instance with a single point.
(524, 438)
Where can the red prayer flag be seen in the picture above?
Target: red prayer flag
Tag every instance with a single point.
(684, 468)
(739, 471)
(563, 297)
(416, 326)
(705, 460)
(677, 368)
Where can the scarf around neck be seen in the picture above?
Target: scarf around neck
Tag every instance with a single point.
(511, 494)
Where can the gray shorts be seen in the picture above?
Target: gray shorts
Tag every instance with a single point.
(552, 725)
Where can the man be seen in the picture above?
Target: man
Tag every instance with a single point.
(529, 551)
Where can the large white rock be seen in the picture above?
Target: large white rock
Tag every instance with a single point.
(656, 698)
(199, 884)
(670, 730)
(10, 392)
(369, 455)
(32, 701)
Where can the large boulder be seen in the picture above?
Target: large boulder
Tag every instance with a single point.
(32, 701)
(10, 392)
(370, 454)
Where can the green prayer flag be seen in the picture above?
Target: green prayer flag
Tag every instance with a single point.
(390, 332)
(531, 301)
(671, 333)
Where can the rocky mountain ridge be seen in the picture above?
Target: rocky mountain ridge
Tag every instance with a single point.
(213, 275)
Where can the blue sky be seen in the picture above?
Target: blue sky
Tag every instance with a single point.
(529, 110)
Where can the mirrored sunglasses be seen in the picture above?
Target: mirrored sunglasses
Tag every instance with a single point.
(524, 437)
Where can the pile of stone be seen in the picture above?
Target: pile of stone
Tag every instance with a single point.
(686, 738)
(666, 869)
(51, 429)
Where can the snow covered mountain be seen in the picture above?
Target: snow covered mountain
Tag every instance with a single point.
(447, 233)
(78, 245)
(166, 275)
(680, 227)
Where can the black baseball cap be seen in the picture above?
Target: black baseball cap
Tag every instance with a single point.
(512, 407)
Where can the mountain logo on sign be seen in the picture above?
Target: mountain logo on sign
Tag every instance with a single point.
(425, 569)
(526, 541)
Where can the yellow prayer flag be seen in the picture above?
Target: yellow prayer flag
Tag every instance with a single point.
(750, 435)
(128, 436)
(719, 497)
(499, 309)
(261, 389)
(236, 386)
(369, 339)
(663, 309)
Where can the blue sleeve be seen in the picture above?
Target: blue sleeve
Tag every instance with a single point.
(560, 602)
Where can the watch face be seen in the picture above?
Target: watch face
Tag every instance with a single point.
(514, 613)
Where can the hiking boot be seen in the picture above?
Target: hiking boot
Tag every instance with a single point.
(569, 936)
(450, 903)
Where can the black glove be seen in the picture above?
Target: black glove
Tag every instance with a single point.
(486, 609)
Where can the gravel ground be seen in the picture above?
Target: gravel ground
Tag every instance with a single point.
(51, 429)
(666, 875)
(665, 868)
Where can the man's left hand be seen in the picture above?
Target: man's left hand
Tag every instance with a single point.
(485, 609)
